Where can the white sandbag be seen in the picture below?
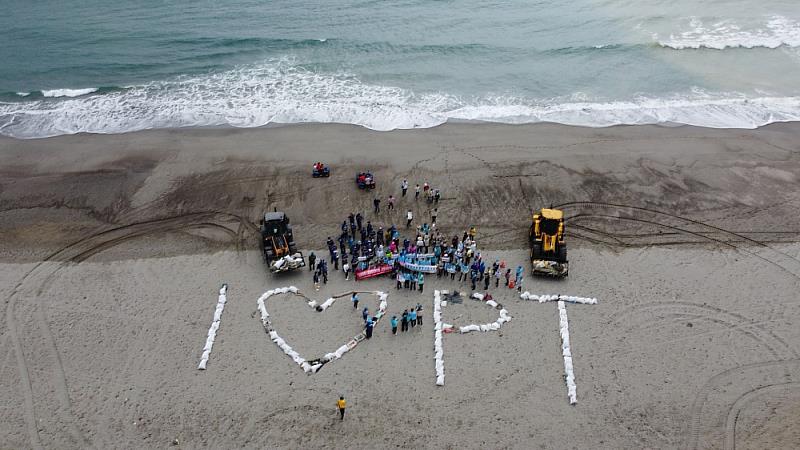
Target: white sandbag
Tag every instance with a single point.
(202, 365)
(327, 303)
(315, 368)
(568, 366)
(494, 326)
(524, 295)
(477, 296)
(293, 289)
(444, 303)
(273, 335)
(329, 357)
(306, 367)
(383, 305)
(341, 351)
(468, 328)
(447, 326)
(440, 380)
(491, 303)
(312, 303)
(484, 328)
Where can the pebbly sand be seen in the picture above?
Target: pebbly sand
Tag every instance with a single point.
(113, 249)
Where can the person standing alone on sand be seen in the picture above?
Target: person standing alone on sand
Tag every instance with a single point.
(341, 404)
(394, 324)
(391, 203)
(354, 299)
(409, 218)
(416, 192)
(404, 186)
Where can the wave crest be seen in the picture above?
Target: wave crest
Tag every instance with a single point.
(282, 92)
(53, 93)
(779, 31)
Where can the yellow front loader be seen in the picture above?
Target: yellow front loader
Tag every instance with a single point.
(548, 249)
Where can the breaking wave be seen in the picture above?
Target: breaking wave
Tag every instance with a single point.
(778, 31)
(282, 92)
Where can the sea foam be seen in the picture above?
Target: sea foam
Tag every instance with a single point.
(778, 31)
(67, 92)
(282, 92)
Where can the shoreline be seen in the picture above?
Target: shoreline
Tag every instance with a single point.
(448, 123)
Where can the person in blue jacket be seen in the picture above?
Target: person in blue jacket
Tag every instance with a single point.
(412, 315)
(394, 324)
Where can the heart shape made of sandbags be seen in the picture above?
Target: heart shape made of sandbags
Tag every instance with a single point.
(311, 366)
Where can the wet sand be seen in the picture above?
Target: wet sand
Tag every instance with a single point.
(113, 248)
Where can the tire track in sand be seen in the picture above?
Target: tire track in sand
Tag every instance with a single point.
(47, 268)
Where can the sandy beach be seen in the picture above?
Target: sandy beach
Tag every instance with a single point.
(113, 248)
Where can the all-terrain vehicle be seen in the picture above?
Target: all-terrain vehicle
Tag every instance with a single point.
(277, 241)
(548, 249)
(365, 180)
(320, 170)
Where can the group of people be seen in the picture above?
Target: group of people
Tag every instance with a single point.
(409, 319)
(431, 195)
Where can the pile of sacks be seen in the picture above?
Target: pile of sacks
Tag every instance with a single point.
(212, 332)
(552, 298)
(288, 262)
(438, 351)
(569, 374)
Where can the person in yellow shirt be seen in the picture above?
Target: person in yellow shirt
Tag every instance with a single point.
(341, 404)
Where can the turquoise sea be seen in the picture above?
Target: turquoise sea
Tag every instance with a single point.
(69, 66)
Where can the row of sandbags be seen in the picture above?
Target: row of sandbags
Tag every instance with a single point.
(494, 326)
(566, 352)
(552, 298)
(438, 352)
(212, 331)
(345, 348)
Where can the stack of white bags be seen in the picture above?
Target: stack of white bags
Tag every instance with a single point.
(212, 332)
(437, 340)
(569, 374)
(288, 261)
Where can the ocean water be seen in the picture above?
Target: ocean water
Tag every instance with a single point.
(100, 66)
